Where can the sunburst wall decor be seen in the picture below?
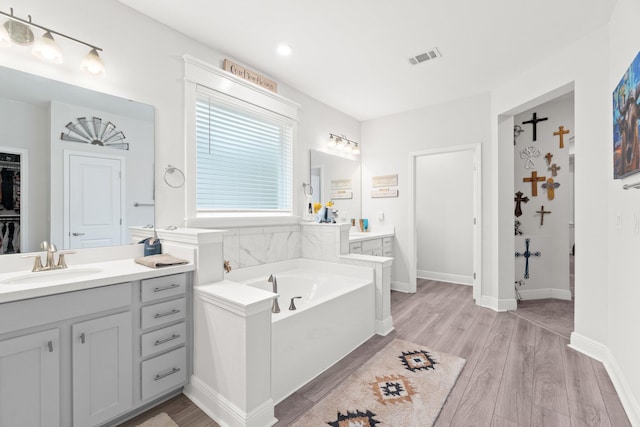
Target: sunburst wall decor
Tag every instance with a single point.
(94, 131)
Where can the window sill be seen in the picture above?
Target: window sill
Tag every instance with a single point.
(240, 221)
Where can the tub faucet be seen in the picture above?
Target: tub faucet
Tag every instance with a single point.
(275, 307)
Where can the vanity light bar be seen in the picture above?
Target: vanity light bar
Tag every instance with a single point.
(341, 142)
(92, 63)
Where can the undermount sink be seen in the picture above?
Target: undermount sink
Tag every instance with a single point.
(49, 276)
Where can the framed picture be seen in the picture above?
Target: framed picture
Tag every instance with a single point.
(626, 115)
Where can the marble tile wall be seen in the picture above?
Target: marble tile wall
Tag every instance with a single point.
(325, 242)
(249, 246)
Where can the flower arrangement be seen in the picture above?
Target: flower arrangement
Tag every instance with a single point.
(318, 206)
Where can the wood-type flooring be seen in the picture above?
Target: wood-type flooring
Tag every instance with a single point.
(517, 374)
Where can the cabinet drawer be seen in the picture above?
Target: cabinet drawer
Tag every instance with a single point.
(54, 308)
(163, 313)
(370, 245)
(355, 248)
(387, 241)
(158, 341)
(163, 373)
(387, 252)
(161, 287)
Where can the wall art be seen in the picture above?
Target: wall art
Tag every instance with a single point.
(626, 113)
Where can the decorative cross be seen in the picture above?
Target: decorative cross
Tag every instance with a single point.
(534, 179)
(534, 121)
(527, 253)
(554, 169)
(542, 212)
(516, 226)
(561, 133)
(550, 186)
(519, 199)
(528, 153)
(517, 130)
(548, 156)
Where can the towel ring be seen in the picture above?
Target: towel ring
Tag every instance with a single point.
(304, 187)
(169, 169)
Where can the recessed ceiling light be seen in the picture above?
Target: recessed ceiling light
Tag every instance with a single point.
(284, 50)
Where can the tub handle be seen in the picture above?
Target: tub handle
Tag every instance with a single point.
(292, 306)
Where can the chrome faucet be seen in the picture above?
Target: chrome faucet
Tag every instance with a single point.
(275, 307)
(51, 250)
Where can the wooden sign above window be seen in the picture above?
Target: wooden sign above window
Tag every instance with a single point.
(255, 78)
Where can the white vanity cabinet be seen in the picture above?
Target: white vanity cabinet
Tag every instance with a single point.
(30, 380)
(373, 244)
(88, 357)
(102, 354)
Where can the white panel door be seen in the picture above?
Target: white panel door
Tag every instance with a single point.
(30, 380)
(95, 202)
(102, 369)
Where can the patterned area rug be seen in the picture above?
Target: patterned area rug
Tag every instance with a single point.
(405, 384)
(160, 420)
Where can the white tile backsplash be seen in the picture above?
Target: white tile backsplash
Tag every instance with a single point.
(252, 250)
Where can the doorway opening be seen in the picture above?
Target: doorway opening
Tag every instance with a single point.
(445, 216)
(544, 213)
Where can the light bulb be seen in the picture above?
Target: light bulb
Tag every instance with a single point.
(356, 149)
(5, 39)
(47, 49)
(92, 63)
(332, 142)
(339, 144)
(284, 49)
(348, 148)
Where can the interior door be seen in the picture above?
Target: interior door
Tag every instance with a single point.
(95, 201)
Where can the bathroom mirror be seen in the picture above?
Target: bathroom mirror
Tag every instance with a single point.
(338, 179)
(76, 166)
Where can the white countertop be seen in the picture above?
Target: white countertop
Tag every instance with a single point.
(360, 236)
(107, 273)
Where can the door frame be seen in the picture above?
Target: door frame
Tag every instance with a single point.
(66, 228)
(476, 150)
(24, 195)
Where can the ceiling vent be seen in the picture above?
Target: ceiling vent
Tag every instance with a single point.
(429, 55)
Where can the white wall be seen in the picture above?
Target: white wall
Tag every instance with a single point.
(144, 63)
(386, 146)
(549, 273)
(621, 286)
(444, 216)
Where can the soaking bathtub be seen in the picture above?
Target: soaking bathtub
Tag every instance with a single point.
(334, 316)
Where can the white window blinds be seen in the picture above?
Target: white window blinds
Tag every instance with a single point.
(243, 159)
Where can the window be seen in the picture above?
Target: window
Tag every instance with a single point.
(239, 152)
(243, 157)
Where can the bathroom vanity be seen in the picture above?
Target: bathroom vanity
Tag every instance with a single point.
(90, 349)
(371, 243)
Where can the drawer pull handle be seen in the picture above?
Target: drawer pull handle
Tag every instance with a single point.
(171, 338)
(50, 345)
(166, 288)
(166, 374)
(168, 313)
(82, 338)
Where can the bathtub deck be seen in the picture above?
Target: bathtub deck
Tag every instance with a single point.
(500, 349)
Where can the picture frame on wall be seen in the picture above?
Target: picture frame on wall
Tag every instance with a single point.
(626, 118)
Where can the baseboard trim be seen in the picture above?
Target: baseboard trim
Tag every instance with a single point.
(619, 380)
(602, 353)
(445, 277)
(225, 412)
(591, 348)
(529, 294)
(400, 287)
(498, 304)
(384, 327)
